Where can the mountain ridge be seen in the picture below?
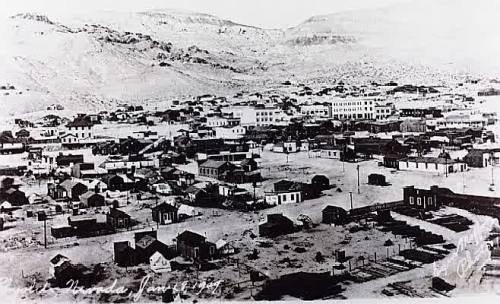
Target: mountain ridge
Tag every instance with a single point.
(164, 54)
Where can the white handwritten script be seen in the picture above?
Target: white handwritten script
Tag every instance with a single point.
(145, 287)
(463, 259)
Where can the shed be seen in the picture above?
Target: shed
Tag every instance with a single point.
(377, 179)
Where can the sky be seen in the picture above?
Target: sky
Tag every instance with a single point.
(261, 13)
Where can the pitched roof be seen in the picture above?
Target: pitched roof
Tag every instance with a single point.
(216, 164)
(115, 212)
(157, 256)
(67, 184)
(190, 237)
(434, 160)
(247, 161)
(80, 122)
(56, 259)
(165, 207)
(193, 189)
(333, 208)
(88, 194)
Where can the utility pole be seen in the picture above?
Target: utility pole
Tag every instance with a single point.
(350, 193)
(357, 167)
(492, 176)
(45, 231)
(463, 182)
(446, 166)
(254, 184)
(42, 216)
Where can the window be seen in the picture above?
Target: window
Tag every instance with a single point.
(412, 201)
(292, 197)
(419, 201)
(429, 201)
(436, 165)
(284, 198)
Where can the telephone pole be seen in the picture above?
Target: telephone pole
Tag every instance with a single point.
(446, 166)
(357, 167)
(492, 176)
(350, 193)
(45, 231)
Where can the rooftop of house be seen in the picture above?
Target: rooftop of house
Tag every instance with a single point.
(215, 164)
(165, 207)
(331, 208)
(58, 258)
(80, 121)
(434, 160)
(191, 237)
(117, 213)
(88, 194)
(69, 184)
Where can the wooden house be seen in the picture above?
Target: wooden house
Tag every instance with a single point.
(165, 214)
(334, 215)
(117, 219)
(91, 199)
(191, 245)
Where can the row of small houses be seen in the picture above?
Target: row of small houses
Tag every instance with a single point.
(93, 225)
(191, 246)
(115, 219)
(475, 158)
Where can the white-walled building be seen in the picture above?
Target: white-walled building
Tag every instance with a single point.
(316, 110)
(80, 130)
(159, 263)
(383, 111)
(353, 108)
(332, 153)
(216, 121)
(153, 135)
(458, 120)
(279, 198)
(431, 165)
(253, 116)
(230, 132)
(287, 147)
(125, 164)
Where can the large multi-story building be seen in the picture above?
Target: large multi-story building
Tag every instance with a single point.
(79, 131)
(383, 111)
(256, 116)
(316, 110)
(458, 120)
(216, 121)
(230, 132)
(353, 108)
